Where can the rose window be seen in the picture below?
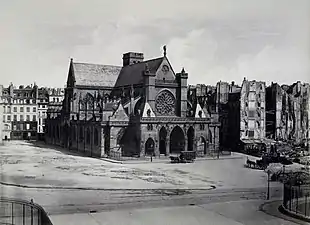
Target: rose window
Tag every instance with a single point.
(165, 103)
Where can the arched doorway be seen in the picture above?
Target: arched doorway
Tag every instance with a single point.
(190, 139)
(149, 146)
(177, 140)
(162, 140)
(202, 146)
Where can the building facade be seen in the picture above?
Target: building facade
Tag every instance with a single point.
(24, 112)
(46, 97)
(287, 116)
(252, 110)
(1, 114)
(19, 112)
(138, 109)
(241, 112)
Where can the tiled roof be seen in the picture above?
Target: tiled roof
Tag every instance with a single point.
(95, 75)
(132, 74)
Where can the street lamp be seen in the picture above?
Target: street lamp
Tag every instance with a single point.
(268, 184)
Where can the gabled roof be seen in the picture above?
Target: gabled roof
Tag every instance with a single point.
(198, 109)
(133, 74)
(95, 75)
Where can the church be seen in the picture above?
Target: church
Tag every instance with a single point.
(138, 109)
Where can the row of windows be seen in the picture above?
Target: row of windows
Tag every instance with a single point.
(21, 118)
(23, 127)
(24, 101)
(201, 126)
(7, 109)
(77, 135)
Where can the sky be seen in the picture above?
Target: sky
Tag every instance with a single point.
(213, 40)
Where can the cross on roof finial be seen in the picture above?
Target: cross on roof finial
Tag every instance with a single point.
(165, 50)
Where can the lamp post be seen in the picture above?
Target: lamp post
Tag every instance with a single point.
(268, 185)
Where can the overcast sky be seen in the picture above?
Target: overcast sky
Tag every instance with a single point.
(212, 39)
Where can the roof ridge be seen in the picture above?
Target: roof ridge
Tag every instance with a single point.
(95, 64)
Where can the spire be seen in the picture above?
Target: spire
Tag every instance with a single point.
(183, 70)
(165, 50)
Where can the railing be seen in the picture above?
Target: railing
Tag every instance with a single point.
(20, 212)
(157, 81)
(296, 199)
(116, 155)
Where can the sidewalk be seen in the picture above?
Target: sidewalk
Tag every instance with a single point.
(167, 159)
(272, 208)
(193, 215)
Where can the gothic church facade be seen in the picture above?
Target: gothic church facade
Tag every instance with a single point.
(138, 109)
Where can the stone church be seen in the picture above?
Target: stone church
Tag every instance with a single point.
(137, 109)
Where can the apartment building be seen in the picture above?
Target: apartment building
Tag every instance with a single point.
(24, 112)
(287, 115)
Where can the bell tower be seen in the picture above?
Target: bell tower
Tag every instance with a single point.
(182, 93)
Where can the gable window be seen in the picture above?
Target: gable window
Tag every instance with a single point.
(149, 127)
(148, 112)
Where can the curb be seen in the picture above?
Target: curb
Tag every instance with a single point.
(276, 211)
(293, 214)
(107, 189)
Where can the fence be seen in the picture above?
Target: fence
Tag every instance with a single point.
(20, 212)
(115, 155)
(296, 199)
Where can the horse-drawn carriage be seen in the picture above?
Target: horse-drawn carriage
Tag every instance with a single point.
(184, 157)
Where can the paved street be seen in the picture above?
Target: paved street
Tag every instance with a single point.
(239, 206)
(231, 194)
(35, 166)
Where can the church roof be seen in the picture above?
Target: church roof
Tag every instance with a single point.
(95, 75)
(133, 74)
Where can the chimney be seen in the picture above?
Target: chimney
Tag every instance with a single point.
(132, 58)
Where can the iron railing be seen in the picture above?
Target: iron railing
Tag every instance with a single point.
(296, 199)
(20, 212)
